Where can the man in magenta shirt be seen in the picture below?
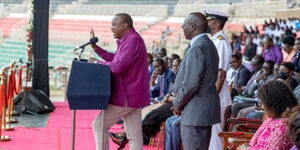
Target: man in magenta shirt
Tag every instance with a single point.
(130, 84)
(271, 51)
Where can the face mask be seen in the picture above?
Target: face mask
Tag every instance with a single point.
(283, 75)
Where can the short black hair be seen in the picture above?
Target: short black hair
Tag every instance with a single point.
(150, 56)
(289, 40)
(260, 59)
(238, 56)
(164, 51)
(271, 63)
(174, 56)
(126, 19)
(277, 97)
(159, 61)
(289, 65)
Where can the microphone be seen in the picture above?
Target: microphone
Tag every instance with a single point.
(93, 40)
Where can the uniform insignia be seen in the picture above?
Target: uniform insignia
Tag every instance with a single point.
(220, 37)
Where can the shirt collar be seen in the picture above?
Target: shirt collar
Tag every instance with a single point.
(124, 37)
(221, 32)
(194, 39)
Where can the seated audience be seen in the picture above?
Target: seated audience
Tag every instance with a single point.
(257, 64)
(297, 57)
(264, 77)
(161, 88)
(166, 61)
(250, 49)
(271, 52)
(297, 92)
(276, 69)
(288, 51)
(277, 99)
(172, 58)
(161, 52)
(240, 75)
(175, 65)
(150, 61)
(285, 73)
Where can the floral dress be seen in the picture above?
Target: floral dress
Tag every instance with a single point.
(271, 135)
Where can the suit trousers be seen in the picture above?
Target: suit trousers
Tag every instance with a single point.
(110, 116)
(195, 137)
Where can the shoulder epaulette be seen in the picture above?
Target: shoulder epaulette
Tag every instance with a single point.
(220, 37)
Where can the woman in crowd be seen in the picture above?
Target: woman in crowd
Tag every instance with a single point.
(277, 100)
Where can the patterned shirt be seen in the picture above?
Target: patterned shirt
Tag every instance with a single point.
(271, 135)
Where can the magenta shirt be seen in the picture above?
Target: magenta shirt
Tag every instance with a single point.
(129, 68)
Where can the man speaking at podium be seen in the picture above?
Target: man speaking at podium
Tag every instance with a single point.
(130, 84)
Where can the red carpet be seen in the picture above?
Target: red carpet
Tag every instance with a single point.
(56, 136)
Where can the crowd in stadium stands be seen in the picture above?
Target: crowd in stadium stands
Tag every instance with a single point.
(259, 60)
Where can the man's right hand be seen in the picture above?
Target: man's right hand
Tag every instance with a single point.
(153, 78)
(92, 34)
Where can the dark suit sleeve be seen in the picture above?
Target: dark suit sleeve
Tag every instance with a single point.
(194, 67)
(244, 76)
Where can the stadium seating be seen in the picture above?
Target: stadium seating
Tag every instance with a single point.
(9, 23)
(59, 55)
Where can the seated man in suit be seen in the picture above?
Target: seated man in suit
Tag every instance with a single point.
(165, 77)
(240, 75)
(266, 76)
(248, 90)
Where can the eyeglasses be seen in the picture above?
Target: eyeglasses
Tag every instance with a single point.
(184, 25)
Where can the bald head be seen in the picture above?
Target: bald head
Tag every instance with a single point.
(126, 19)
(198, 19)
(194, 24)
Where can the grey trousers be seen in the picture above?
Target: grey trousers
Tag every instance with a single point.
(132, 124)
(195, 137)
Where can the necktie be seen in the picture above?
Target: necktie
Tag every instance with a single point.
(161, 86)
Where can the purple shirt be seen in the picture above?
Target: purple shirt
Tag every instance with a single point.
(130, 75)
(274, 54)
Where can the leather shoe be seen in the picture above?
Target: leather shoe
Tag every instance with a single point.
(118, 139)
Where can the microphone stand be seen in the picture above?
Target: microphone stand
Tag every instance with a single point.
(77, 51)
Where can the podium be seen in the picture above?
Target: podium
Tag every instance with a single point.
(88, 89)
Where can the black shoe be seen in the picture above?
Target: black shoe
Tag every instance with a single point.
(118, 139)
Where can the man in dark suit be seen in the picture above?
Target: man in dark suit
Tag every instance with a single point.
(240, 76)
(160, 88)
(196, 97)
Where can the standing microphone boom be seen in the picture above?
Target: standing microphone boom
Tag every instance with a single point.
(93, 40)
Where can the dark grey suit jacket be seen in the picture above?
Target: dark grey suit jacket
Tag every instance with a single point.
(195, 87)
(243, 76)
